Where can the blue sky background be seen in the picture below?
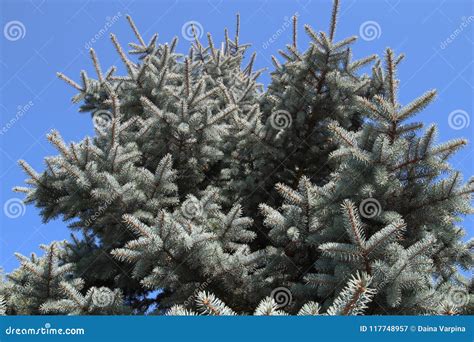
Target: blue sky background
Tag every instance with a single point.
(55, 35)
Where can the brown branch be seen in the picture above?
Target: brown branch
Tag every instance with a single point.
(353, 301)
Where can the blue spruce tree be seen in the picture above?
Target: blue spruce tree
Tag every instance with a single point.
(203, 193)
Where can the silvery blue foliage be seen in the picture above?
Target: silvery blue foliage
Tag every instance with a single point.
(200, 189)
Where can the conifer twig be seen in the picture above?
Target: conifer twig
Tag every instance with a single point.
(69, 81)
(237, 31)
(226, 39)
(196, 38)
(334, 14)
(122, 55)
(295, 24)
(57, 141)
(211, 47)
(391, 75)
(96, 65)
(187, 76)
(135, 30)
(29, 170)
(249, 67)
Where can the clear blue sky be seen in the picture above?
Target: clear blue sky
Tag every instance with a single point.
(42, 37)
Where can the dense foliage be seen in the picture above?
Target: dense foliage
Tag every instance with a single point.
(318, 194)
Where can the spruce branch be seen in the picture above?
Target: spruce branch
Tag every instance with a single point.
(416, 106)
(354, 298)
(201, 123)
(187, 78)
(268, 307)
(248, 69)
(179, 310)
(3, 306)
(55, 138)
(390, 66)
(96, 65)
(237, 30)
(208, 304)
(135, 30)
(29, 171)
(122, 55)
(332, 27)
(310, 309)
(353, 224)
(69, 81)
(295, 33)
